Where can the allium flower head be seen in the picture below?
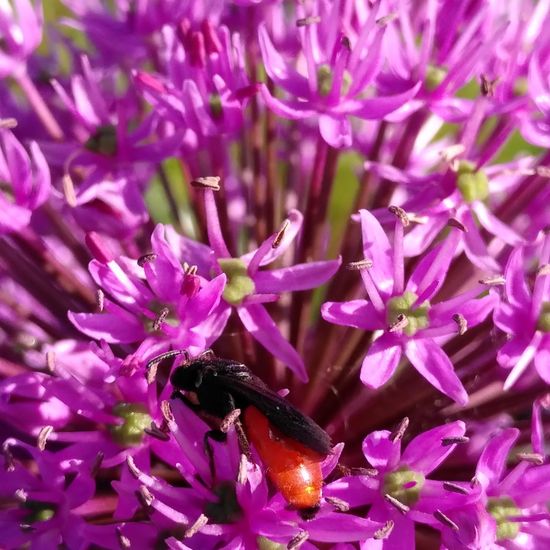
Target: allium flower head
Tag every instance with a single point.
(345, 203)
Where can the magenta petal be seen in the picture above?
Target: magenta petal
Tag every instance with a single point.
(262, 327)
(426, 452)
(381, 360)
(492, 461)
(538, 87)
(542, 358)
(278, 70)
(376, 107)
(297, 277)
(434, 365)
(495, 226)
(115, 326)
(295, 110)
(335, 527)
(355, 313)
(516, 287)
(380, 451)
(431, 270)
(376, 247)
(335, 131)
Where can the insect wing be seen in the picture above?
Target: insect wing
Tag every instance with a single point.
(284, 416)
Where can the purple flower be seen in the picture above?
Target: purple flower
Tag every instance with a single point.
(511, 504)
(248, 287)
(525, 317)
(25, 179)
(156, 300)
(21, 23)
(397, 489)
(411, 324)
(234, 506)
(335, 75)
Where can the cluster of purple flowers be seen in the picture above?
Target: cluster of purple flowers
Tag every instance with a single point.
(352, 197)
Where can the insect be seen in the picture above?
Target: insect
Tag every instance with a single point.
(290, 444)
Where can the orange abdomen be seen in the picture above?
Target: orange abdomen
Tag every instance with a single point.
(292, 467)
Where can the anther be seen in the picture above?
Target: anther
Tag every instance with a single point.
(384, 531)
(462, 323)
(132, 466)
(96, 466)
(9, 462)
(200, 522)
(487, 86)
(43, 435)
(297, 540)
(50, 361)
(100, 300)
(399, 432)
(453, 222)
(397, 504)
(123, 541)
(190, 269)
(156, 432)
(455, 488)
(151, 372)
(145, 259)
(543, 171)
(401, 214)
(474, 482)
(534, 458)
(399, 324)
(68, 190)
(8, 123)
(446, 441)
(21, 495)
(305, 21)
(161, 317)
(543, 270)
(445, 520)
(207, 182)
(338, 503)
(166, 410)
(361, 264)
(494, 280)
(281, 233)
(242, 474)
(229, 421)
(452, 152)
(383, 21)
(145, 496)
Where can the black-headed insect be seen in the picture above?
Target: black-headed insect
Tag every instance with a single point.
(290, 444)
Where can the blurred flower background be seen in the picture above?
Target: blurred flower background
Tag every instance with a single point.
(349, 196)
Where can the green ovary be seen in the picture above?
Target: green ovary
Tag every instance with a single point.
(404, 485)
(136, 419)
(501, 509)
(472, 184)
(543, 323)
(434, 77)
(239, 284)
(417, 317)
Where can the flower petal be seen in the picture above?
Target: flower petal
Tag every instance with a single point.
(296, 277)
(381, 360)
(492, 462)
(434, 365)
(426, 451)
(355, 313)
(115, 325)
(380, 451)
(376, 247)
(336, 131)
(262, 327)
